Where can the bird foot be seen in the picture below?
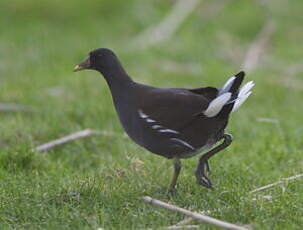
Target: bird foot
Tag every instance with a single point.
(201, 175)
(171, 192)
(205, 181)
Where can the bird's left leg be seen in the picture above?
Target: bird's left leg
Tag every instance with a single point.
(177, 169)
(203, 166)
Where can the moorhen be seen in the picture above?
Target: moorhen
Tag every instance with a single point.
(175, 122)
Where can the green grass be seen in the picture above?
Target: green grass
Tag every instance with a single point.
(98, 181)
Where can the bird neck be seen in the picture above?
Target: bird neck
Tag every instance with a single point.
(116, 78)
(119, 84)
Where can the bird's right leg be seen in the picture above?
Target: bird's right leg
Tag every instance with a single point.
(203, 166)
(207, 166)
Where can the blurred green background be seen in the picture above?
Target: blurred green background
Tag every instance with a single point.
(98, 181)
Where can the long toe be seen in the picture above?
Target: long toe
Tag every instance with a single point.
(171, 192)
(201, 174)
(205, 181)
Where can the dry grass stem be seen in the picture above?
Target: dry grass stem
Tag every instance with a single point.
(281, 181)
(274, 122)
(166, 28)
(257, 48)
(80, 134)
(12, 107)
(177, 227)
(193, 215)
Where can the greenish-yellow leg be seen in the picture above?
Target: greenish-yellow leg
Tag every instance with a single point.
(177, 169)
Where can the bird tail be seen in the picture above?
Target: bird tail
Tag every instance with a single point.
(229, 97)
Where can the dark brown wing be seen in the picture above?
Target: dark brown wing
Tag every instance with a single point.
(173, 107)
(208, 92)
(169, 121)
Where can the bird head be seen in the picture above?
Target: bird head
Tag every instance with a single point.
(99, 59)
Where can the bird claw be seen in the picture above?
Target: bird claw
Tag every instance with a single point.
(205, 181)
(201, 175)
(171, 192)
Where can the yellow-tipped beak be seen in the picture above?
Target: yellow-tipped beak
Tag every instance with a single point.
(78, 68)
(83, 65)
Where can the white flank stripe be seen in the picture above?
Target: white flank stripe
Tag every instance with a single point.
(227, 85)
(216, 105)
(183, 143)
(157, 126)
(142, 115)
(149, 120)
(168, 131)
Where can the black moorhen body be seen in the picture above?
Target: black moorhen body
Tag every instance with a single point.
(174, 123)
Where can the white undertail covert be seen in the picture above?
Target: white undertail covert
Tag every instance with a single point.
(224, 96)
